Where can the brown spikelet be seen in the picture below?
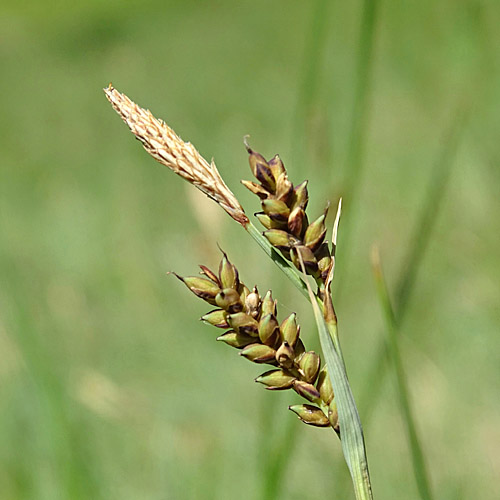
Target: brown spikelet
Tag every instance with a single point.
(165, 146)
(284, 216)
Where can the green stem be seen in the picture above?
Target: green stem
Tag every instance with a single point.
(351, 431)
(309, 79)
(359, 121)
(417, 247)
(403, 393)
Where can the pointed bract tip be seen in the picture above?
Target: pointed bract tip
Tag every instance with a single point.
(336, 223)
(222, 251)
(245, 142)
(176, 275)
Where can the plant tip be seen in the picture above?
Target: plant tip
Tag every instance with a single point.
(245, 142)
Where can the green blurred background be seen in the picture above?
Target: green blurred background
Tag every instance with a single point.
(110, 387)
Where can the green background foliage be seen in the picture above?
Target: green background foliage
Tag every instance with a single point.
(110, 387)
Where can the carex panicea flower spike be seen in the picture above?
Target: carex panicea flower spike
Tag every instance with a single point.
(252, 327)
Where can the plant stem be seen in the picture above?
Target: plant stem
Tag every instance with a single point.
(351, 432)
(418, 243)
(315, 43)
(403, 393)
(359, 120)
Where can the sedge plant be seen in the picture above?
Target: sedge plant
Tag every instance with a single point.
(299, 247)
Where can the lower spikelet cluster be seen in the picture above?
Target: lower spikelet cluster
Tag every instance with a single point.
(165, 146)
(284, 216)
(253, 327)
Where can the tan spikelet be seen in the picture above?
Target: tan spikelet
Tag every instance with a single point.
(165, 146)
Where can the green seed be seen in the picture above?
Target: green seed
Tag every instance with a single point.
(289, 330)
(285, 355)
(268, 304)
(268, 330)
(324, 386)
(306, 390)
(309, 366)
(299, 346)
(280, 239)
(235, 339)
(228, 274)
(243, 323)
(324, 260)
(202, 287)
(265, 220)
(333, 416)
(276, 210)
(311, 415)
(315, 233)
(276, 379)
(229, 300)
(217, 318)
(258, 353)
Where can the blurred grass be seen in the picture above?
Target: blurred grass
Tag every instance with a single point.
(420, 237)
(109, 385)
(407, 412)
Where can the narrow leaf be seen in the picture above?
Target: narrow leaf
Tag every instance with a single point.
(419, 468)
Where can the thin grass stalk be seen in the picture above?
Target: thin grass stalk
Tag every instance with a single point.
(265, 450)
(359, 120)
(75, 474)
(419, 467)
(278, 459)
(309, 78)
(429, 209)
(416, 250)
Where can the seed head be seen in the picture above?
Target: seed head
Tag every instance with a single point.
(165, 146)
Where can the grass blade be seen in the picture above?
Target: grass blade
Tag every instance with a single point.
(359, 118)
(419, 468)
(276, 456)
(417, 246)
(427, 217)
(315, 43)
